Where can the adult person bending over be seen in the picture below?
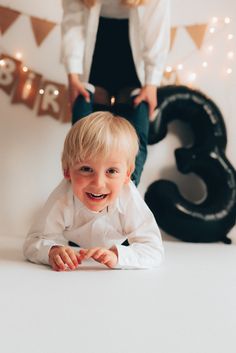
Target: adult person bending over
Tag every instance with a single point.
(117, 46)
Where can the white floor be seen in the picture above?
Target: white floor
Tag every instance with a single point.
(186, 306)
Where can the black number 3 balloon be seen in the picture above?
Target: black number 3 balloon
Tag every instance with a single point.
(211, 219)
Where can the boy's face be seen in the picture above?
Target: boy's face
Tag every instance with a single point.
(97, 182)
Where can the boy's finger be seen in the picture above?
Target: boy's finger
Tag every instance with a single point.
(72, 256)
(67, 260)
(90, 253)
(98, 254)
(106, 259)
(54, 266)
(58, 261)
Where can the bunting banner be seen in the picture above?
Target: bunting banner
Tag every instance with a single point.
(172, 36)
(52, 100)
(197, 33)
(41, 29)
(170, 78)
(9, 72)
(27, 88)
(7, 17)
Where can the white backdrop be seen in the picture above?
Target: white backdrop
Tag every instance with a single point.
(30, 146)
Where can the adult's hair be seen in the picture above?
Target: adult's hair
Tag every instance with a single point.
(99, 134)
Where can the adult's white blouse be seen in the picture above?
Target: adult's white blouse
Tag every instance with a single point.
(149, 33)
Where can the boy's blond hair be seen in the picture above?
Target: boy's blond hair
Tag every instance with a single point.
(99, 134)
(129, 3)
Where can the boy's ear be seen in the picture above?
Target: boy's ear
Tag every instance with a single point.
(128, 175)
(66, 173)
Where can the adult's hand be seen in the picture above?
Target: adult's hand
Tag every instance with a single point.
(148, 94)
(76, 88)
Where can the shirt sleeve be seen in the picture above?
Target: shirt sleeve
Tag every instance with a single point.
(154, 18)
(140, 227)
(73, 35)
(48, 228)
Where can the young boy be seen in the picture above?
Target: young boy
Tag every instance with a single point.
(96, 206)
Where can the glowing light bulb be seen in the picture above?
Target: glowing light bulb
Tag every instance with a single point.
(214, 19)
(210, 48)
(113, 100)
(230, 54)
(2, 62)
(168, 69)
(18, 55)
(212, 30)
(41, 91)
(205, 64)
(25, 68)
(230, 36)
(227, 20)
(180, 67)
(192, 76)
(56, 92)
(229, 71)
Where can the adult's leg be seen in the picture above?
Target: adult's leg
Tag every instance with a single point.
(138, 117)
(99, 100)
(81, 108)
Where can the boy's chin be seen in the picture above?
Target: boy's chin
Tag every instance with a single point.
(96, 209)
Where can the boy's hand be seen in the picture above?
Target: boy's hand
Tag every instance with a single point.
(62, 258)
(108, 257)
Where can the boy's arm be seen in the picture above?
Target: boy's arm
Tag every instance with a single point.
(47, 230)
(143, 234)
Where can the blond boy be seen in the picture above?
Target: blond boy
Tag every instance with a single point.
(96, 206)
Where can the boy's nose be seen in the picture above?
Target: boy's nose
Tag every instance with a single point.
(99, 180)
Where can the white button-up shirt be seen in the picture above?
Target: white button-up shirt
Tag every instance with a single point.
(149, 33)
(64, 218)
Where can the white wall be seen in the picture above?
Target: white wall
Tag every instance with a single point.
(30, 146)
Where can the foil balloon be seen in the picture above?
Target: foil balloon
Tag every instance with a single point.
(212, 218)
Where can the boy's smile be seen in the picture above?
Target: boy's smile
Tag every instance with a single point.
(97, 182)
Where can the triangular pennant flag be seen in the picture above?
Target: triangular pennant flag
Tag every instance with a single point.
(170, 78)
(41, 29)
(172, 36)
(52, 100)
(197, 33)
(7, 17)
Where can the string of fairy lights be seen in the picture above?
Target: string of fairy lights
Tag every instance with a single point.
(215, 26)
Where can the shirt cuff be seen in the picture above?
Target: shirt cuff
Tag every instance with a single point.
(43, 256)
(73, 65)
(153, 77)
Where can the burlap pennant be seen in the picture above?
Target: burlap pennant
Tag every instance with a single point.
(9, 72)
(41, 29)
(27, 88)
(170, 78)
(172, 36)
(66, 114)
(7, 17)
(197, 33)
(52, 101)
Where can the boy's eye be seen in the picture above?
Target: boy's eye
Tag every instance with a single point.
(85, 169)
(112, 171)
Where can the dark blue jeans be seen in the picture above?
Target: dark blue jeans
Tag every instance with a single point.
(137, 116)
